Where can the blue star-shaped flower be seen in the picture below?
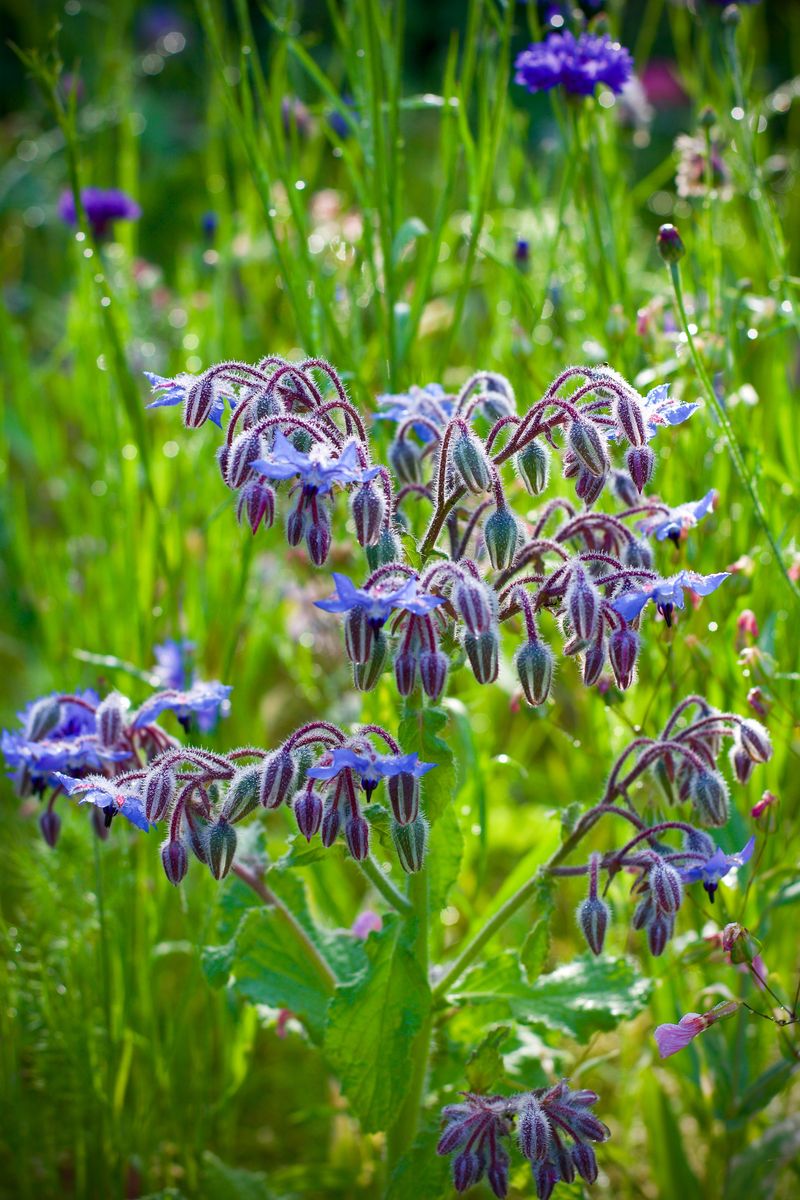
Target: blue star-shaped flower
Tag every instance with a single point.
(371, 767)
(319, 470)
(71, 745)
(667, 594)
(112, 797)
(428, 402)
(716, 867)
(202, 699)
(660, 410)
(169, 392)
(173, 663)
(679, 519)
(377, 603)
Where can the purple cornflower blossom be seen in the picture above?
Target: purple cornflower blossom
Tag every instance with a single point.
(370, 767)
(429, 402)
(109, 795)
(170, 392)
(578, 64)
(678, 520)
(202, 700)
(378, 602)
(319, 470)
(101, 205)
(711, 870)
(667, 594)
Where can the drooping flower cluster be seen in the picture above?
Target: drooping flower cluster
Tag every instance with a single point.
(552, 1127)
(576, 64)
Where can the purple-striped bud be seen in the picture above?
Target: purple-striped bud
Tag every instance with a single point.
(756, 741)
(243, 793)
(501, 534)
(545, 1176)
(404, 797)
(623, 647)
(221, 847)
(570, 465)
(50, 826)
(497, 1172)
(110, 719)
(741, 762)
(244, 450)
(593, 914)
(199, 402)
(665, 886)
(358, 635)
(534, 662)
(583, 605)
(296, 522)
(482, 652)
(640, 461)
(369, 508)
(623, 488)
(405, 672)
(158, 792)
(43, 716)
(387, 549)
(588, 445)
(467, 1170)
(585, 1161)
(277, 776)
(318, 536)
(637, 554)
(533, 464)
(175, 861)
(471, 464)
(405, 461)
(356, 834)
(409, 842)
(659, 931)
(308, 813)
(367, 674)
(472, 603)
(588, 486)
(566, 1167)
(433, 665)
(533, 1130)
(709, 793)
(644, 913)
(223, 458)
(257, 503)
(630, 419)
(593, 662)
(331, 823)
(197, 834)
(696, 841)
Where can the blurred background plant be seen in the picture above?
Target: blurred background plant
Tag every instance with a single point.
(364, 181)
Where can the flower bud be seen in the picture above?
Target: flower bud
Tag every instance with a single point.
(501, 533)
(533, 464)
(545, 1177)
(243, 792)
(405, 672)
(433, 666)
(670, 244)
(158, 792)
(369, 508)
(740, 943)
(277, 776)
(644, 913)
(175, 861)
(570, 465)
(533, 1130)
(404, 797)
(756, 741)
(665, 886)
(331, 823)
(588, 486)
(471, 602)
(593, 662)
(356, 834)
(637, 554)
(405, 461)
(659, 931)
(482, 652)
(221, 847)
(244, 450)
(583, 605)
(623, 488)
(640, 461)
(467, 1170)
(409, 842)
(318, 536)
(387, 549)
(110, 719)
(585, 1161)
(43, 716)
(741, 762)
(50, 826)
(709, 793)
(593, 916)
(765, 812)
(630, 419)
(307, 807)
(758, 702)
(623, 646)
(199, 402)
(296, 523)
(367, 674)
(471, 464)
(497, 1172)
(588, 445)
(197, 834)
(358, 635)
(695, 841)
(257, 503)
(535, 662)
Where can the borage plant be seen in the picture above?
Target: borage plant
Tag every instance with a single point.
(454, 553)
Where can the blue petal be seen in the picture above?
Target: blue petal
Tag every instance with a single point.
(630, 604)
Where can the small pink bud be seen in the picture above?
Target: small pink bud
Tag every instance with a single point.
(747, 624)
(758, 702)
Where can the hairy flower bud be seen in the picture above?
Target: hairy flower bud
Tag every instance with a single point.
(467, 1170)
(588, 445)
(404, 797)
(640, 461)
(43, 716)
(585, 1161)
(623, 647)
(405, 672)
(367, 674)
(665, 886)
(756, 741)
(244, 450)
(659, 931)
(50, 826)
(409, 842)
(698, 842)
(637, 554)
(307, 807)
(472, 603)
(369, 508)
(670, 244)
(359, 635)
(433, 665)
(318, 536)
(588, 487)
(471, 464)
(709, 794)
(331, 823)
(387, 549)
(501, 533)
(593, 662)
(630, 419)
(243, 792)
(277, 776)
(199, 402)
(405, 461)
(158, 792)
(296, 523)
(110, 719)
(482, 652)
(221, 847)
(741, 762)
(356, 834)
(593, 914)
(533, 1130)
(197, 834)
(583, 605)
(533, 464)
(175, 861)
(535, 662)
(623, 488)
(257, 503)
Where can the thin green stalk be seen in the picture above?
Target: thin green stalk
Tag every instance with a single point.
(730, 435)
(386, 888)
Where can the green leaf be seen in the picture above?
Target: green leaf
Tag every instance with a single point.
(569, 818)
(756, 1097)
(421, 1172)
(756, 1171)
(445, 851)
(408, 233)
(419, 731)
(221, 1182)
(372, 1022)
(536, 946)
(485, 1064)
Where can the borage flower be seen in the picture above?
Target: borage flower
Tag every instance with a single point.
(379, 601)
(111, 795)
(170, 392)
(677, 521)
(202, 699)
(319, 470)
(370, 767)
(428, 403)
(667, 594)
(661, 410)
(578, 64)
(711, 870)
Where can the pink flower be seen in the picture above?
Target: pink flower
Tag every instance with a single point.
(672, 1038)
(366, 923)
(767, 802)
(746, 626)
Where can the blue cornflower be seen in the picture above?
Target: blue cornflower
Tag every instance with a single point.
(667, 594)
(378, 602)
(370, 767)
(319, 470)
(430, 402)
(678, 520)
(201, 699)
(578, 64)
(169, 392)
(661, 410)
(110, 796)
(101, 205)
(716, 867)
